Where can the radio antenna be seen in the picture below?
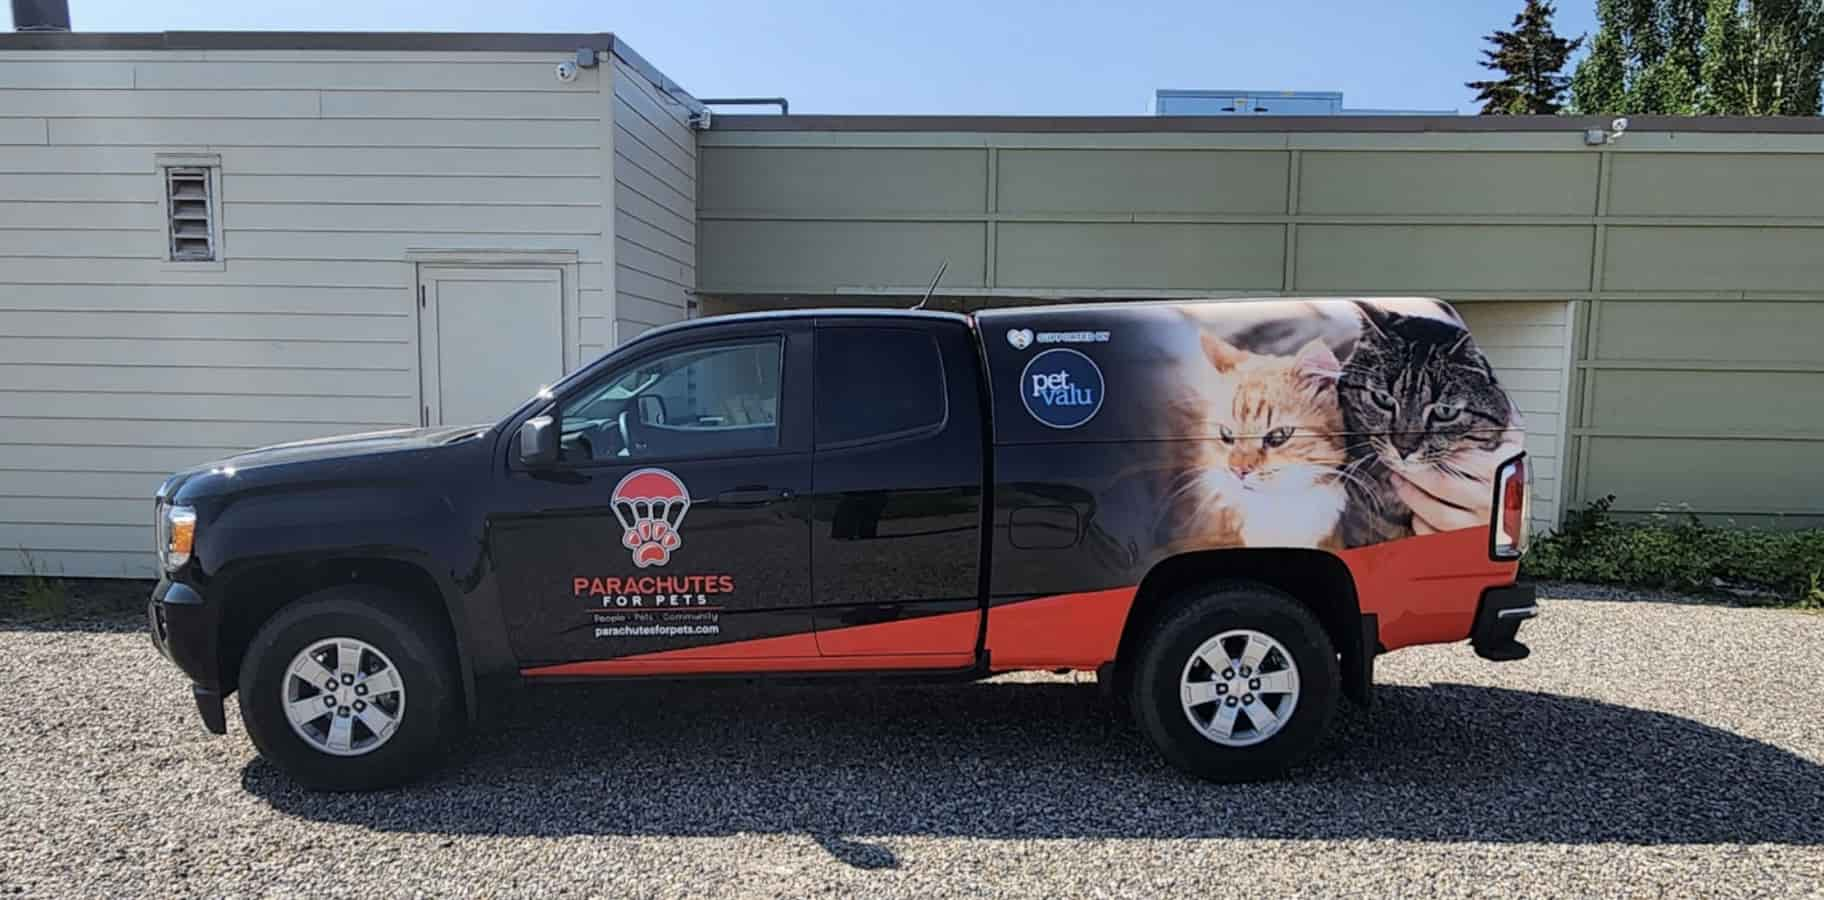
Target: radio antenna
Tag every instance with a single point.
(933, 288)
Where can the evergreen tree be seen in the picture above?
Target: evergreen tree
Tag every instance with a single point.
(1530, 58)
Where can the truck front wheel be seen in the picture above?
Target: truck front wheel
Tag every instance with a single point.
(1237, 683)
(349, 689)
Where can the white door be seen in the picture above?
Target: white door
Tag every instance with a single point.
(487, 339)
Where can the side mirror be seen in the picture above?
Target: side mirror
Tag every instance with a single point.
(538, 442)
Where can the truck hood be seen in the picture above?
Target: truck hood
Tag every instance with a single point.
(270, 465)
(348, 445)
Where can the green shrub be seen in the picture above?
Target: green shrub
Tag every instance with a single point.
(1680, 552)
(40, 594)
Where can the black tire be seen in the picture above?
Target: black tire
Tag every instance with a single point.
(1200, 614)
(418, 648)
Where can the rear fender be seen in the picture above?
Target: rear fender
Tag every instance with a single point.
(1316, 578)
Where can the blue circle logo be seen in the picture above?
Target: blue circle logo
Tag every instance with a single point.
(1061, 388)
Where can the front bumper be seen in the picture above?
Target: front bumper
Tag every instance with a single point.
(1498, 619)
(184, 626)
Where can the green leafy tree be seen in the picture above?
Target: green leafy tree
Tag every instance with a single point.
(1600, 83)
(1530, 58)
(1645, 58)
(1714, 57)
(1762, 58)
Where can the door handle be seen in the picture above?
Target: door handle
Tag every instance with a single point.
(752, 496)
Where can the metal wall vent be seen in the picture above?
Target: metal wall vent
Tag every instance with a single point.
(190, 205)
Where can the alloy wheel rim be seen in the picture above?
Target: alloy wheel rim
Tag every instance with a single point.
(343, 696)
(1239, 688)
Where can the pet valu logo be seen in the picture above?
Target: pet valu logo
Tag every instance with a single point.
(1020, 338)
(650, 504)
(1061, 388)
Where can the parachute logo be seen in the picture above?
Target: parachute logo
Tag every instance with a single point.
(650, 504)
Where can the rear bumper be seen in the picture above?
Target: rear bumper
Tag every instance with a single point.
(184, 628)
(1499, 616)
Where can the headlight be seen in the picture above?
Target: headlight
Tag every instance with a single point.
(176, 534)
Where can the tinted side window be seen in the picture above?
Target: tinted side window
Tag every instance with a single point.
(876, 382)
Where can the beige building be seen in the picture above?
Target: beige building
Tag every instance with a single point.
(214, 241)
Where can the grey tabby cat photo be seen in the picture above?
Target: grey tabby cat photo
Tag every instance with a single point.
(1417, 397)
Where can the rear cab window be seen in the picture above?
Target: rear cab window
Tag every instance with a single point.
(876, 384)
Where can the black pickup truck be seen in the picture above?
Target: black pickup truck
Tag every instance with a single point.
(1224, 509)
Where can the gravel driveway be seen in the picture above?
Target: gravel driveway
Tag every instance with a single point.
(1645, 749)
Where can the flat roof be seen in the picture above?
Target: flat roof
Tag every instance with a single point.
(1240, 92)
(1356, 123)
(306, 40)
(603, 42)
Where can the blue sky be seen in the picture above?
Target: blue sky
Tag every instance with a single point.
(948, 56)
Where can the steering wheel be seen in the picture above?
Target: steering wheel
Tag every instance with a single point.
(633, 432)
(603, 440)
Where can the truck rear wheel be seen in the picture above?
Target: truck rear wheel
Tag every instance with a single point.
(1237, 683)
(349, 689)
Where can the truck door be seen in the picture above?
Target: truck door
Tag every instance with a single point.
(674, 534)
(897, 472)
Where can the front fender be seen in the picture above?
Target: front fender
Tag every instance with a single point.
(256, 551)
(320, 518)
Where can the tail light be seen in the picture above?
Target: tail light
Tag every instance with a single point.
(1513, 510)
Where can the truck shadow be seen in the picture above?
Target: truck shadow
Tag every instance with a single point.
(1445, 763)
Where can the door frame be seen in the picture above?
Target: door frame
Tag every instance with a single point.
(795, 649)
(564, 261)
